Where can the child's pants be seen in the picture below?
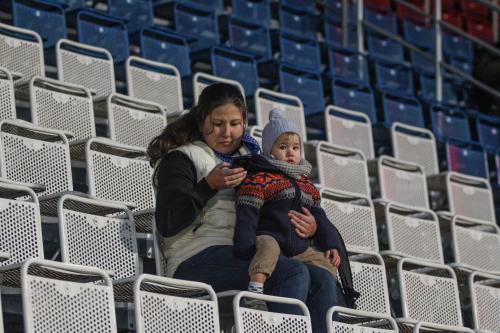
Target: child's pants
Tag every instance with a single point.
(268, 251)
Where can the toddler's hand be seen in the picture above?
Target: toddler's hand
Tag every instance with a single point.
(333, 256)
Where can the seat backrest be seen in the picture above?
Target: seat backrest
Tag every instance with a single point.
(256, 133)
(254, 39)
(62, 106)
(300, 52)
(385, 48)
(257, 12)
(348, 64)
(488, 131)
(206, 29)
(334, 35)
(384, 20)
(354, 96)
(450, 123)
(37, 155)
(138, 14)
(297, 22)
(456, 46)
(89, 66)
(403, 109)
(418, 34)
(466, 157)
(202, 80)
(7, 99)
(394, 77)
(485, 301)
(428, 89)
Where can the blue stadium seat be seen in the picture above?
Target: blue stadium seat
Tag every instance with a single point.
(296, 22)
(385, 48)
(167, 47)
(464, 66)
(333, 35)
(69, 5)
(137, 14)
(209, 5)
(386, 21)
(333, 11)
(418, 35)
(299, 52)
(457, 47)
(449, 123)
(396, 77)
(497, 171)
(250, 38)
(354, 96)
(421, 63)
(302, 5)
(97, 29)
(45, 18)
(253, 11)
(428, 89)
(199, 23)
(488, 131)
(466, 157)
(348, 64)
(403, 109)
(307, 86)
(237, 66)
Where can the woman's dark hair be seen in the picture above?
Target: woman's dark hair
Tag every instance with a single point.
(186, 129)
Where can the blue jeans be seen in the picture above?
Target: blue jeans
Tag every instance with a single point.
(312, 285)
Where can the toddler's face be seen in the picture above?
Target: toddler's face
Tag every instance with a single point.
(286, 148)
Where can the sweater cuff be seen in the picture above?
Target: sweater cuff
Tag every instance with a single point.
(203, 191)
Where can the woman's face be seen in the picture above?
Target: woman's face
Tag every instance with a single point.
(223, 128)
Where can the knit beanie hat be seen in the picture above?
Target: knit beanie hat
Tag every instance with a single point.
(276, 126)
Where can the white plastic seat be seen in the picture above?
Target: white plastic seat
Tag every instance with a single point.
(132, 121)
(399, 181)
(86, 65)
(350, 129)
(291, 106)
(7, 99)
(258, 321)
(339, 168)
(256, 133)
(485, 299)
(359, 321)
(202, 80)
(156, 82)
(415, 144)
(354, 217)
(62, 106)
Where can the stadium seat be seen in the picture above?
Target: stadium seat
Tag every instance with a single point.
(350, 129)
(137, 14)
(339, 168)
(403, 109)
(62, 106)
(354, 96)
(297, 22)
(385, 49)
(69, 5)
(463, 195)
(333, 35)
(132, 121)
(201, 80)
(293, 110)
(250, 320)
(166, 47)
(307, 5)
(466, 157)
(333, 11)
(418, 35)
(7, 100)
(47, 19)
(457, 47)
(410, 232)
(475, 10)
(101, 30)
(256, 133)
(483, 292)
(399, 181)
(364, 321)
(35, 155)
(237, 66)
(89, 66)
(250, 38)
(348, 64)
(255, 12)
(449, 123)
(416, 145)
(305, 85)
(428, 89)
(463, 65)
(198, 23)
(453, 17)
(119, 173)
(481, 30)
(488, 131)
(156, 82)
(353, 216)
(394, 77)
(300, 52)
(207, 5)
(385, 20)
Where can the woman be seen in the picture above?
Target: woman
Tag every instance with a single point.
(195, 211)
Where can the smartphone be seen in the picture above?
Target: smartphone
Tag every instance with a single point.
(241, 162)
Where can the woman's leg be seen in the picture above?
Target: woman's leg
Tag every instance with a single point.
(322, 296)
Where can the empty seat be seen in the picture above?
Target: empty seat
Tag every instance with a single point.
(354, 96)
(395, 77)
(256, 133)
(138, 14)
(297, 22)
(416, 145)
(7, 100)
(350, 129)
(308, 5)
(156, 82)
(201, 80)
(466, 157)
(253, 11)
(35, 155)
(166, 47)
(300, 52)
(422, 63)
(465, 66)
(418, 35)
(132, 121)
(333, 11)
(428, 89)
(250, 38)
(488, 131)
(383, 20)
(475, 10)
(450, 123)
(237, 66)
(365, 321)
(484, 290)
(89, 66)
(348, 64)
(62, 106)
(249, 320)
(403, 109)
(339, 168)
(307, 86)
(399, 181)
(480, 29)
(101, 30)
(354, 217)
(333, 35)
(293, 110)
(458, 47)
(70, 5)
(47, 19)
(410, 232)
(385, 48)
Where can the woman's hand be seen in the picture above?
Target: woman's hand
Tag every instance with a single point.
(333, 256)
(304, 223)
(222, 176)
